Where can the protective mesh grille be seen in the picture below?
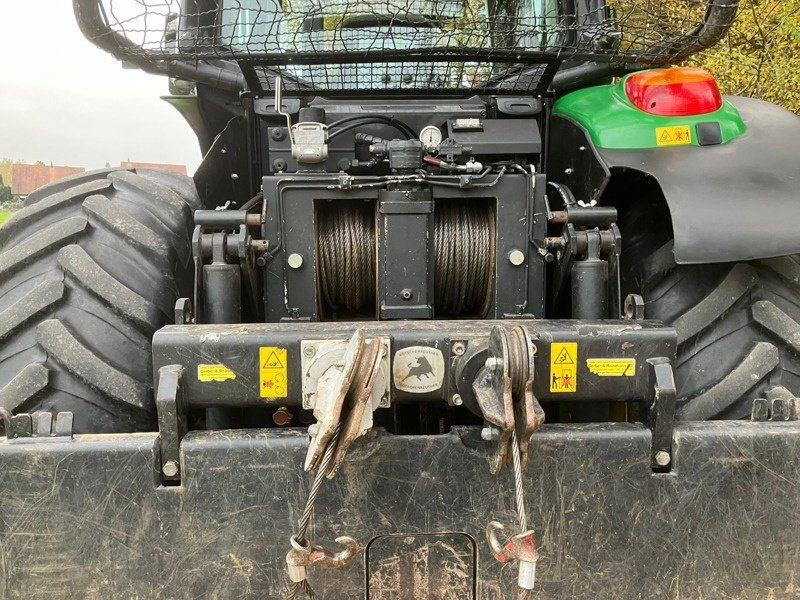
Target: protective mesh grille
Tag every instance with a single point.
(386, 45)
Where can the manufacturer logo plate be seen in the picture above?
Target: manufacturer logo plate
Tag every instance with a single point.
(418, 369)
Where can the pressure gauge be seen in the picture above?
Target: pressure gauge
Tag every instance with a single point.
(430, 136)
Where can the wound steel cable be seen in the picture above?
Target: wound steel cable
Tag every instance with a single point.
(463, 257)
(464, 254)
(346, 246)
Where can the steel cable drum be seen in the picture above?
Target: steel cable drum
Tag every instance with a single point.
(347, 256)
(464, 248)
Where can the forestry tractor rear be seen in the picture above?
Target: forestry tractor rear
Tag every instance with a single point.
(489, 293)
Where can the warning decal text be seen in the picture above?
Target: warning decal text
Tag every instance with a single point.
(206, 373)
(612, 367)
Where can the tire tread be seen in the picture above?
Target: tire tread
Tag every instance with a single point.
(87, 278)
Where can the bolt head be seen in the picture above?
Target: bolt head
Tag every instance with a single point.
(170, 468)
(282, 417)
(662, 458)
(457, 400)
(516, 257)
(490, 434)
(308, 351)
(459, 348)
(493, 362)
(313, 429)
(295, 260)
(406, 294)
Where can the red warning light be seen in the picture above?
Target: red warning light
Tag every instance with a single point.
(674, 92)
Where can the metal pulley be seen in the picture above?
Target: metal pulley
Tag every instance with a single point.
(504, 391)
(343, 382)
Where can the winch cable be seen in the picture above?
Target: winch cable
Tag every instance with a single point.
(464, 255)
(520, 367)
(522, 594)
(347, 255)
(516, 411)
(305, 520)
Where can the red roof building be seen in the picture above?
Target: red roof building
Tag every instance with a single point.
(27, 178)
(180, 169)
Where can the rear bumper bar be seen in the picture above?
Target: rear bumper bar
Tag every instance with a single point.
(237, 349)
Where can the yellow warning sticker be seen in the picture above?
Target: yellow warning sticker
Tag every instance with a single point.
(208, 373)
(675, 135)
(563, 367)
(612, 367)
(272, 370)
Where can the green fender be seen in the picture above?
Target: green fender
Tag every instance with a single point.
(737, 199)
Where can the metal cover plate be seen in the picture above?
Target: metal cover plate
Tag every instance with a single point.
(87, 518)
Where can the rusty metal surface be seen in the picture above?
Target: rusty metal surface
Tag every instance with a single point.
(85, 519)
(504, 391)
(358, 418)
(432, 566)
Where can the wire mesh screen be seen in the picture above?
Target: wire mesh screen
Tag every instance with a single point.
(385, 45)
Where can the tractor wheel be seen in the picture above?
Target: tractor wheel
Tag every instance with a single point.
(89, 269)
(738, 324)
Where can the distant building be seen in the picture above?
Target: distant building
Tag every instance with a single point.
(180, 169)
(27, 178)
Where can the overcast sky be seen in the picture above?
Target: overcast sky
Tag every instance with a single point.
(65, 101)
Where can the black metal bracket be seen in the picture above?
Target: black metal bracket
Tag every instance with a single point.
(661, 413)
(779, 405)
(601, 242)
(171, 409)
(183, 311)
(634, 308)
(214, 240)
(38, 427)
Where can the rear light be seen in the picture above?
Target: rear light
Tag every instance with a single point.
(674, 92)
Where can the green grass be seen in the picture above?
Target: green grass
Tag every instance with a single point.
(5, 214)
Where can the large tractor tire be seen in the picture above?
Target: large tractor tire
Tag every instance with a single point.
(738, 323)
(89, 269)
